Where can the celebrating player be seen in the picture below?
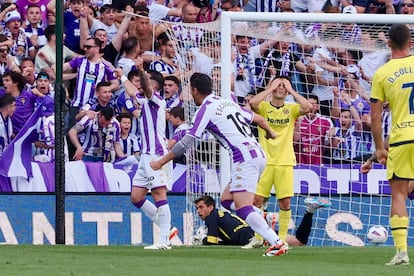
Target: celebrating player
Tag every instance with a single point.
(152, 130)
(225, 120)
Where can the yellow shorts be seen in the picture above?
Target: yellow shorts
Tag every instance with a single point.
(281, 177)
(400, 161)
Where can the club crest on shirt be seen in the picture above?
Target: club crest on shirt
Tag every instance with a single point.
(286, 111)
(23, 100)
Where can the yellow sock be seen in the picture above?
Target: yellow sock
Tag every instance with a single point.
(399, 229)
(284, 218)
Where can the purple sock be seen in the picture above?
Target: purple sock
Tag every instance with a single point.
(227, 203)
(245, 211)
(161, 203)
(139, 203)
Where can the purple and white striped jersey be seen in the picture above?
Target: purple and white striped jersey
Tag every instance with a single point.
(350, 145)
(89, 74)
(152, 124)
(162, 67)
(180, 131)
(130, 145)
(94, 105)
(230, 125)
(96, 140)
(126, 104)
(47, 135)
(173, 102)
(6, 131)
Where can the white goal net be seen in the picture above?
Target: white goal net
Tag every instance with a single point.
(332, 56)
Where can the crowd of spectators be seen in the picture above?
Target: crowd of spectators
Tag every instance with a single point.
(102, 37)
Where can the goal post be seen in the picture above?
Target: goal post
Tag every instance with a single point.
(354, 209)
(358, 201)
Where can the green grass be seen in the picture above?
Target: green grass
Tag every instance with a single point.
(211, 260)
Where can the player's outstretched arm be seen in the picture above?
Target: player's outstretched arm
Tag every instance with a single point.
(178, 150)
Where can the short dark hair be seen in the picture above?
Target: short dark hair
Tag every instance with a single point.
(141, 9)
(173, 78)
(124, 115)
(142, 78)
(202, 82)
(97, 42)
(106, 7)
(16, 77)
(99, 30)
(75, 1)
(33, 6)
(107, 112)
(234, 3)
(282, 77)
(129, 44)
(177, 111)
(208, 200)
(6, 100)
(399, 35)
(102, 84)
(313, 96)
(163, 39)
(49, 31)
(156, 76)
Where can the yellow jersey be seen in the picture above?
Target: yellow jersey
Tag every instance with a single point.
(394, 82)
(279, 151)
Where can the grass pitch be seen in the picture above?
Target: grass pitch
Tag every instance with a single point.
(204, 260)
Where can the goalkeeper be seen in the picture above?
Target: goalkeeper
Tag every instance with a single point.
(228, 229)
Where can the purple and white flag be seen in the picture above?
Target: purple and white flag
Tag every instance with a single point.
(17, 157)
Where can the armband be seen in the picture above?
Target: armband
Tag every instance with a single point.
(124, 79)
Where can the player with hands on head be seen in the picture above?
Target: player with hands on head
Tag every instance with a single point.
(281, 116)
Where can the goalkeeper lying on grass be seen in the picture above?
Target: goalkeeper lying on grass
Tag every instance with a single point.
(225, 228)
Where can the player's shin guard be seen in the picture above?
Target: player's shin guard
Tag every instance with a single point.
(149, 209)
(164, 218)
(258, 224)
(399, 228)
(284, 218)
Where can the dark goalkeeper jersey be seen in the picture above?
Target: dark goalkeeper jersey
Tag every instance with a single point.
(226, 228)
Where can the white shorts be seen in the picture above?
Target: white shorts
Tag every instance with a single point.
(244, 176)
(146, 177)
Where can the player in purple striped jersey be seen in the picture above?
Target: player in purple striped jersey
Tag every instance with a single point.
(152, 129)
(97, 138)
(229, 124)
